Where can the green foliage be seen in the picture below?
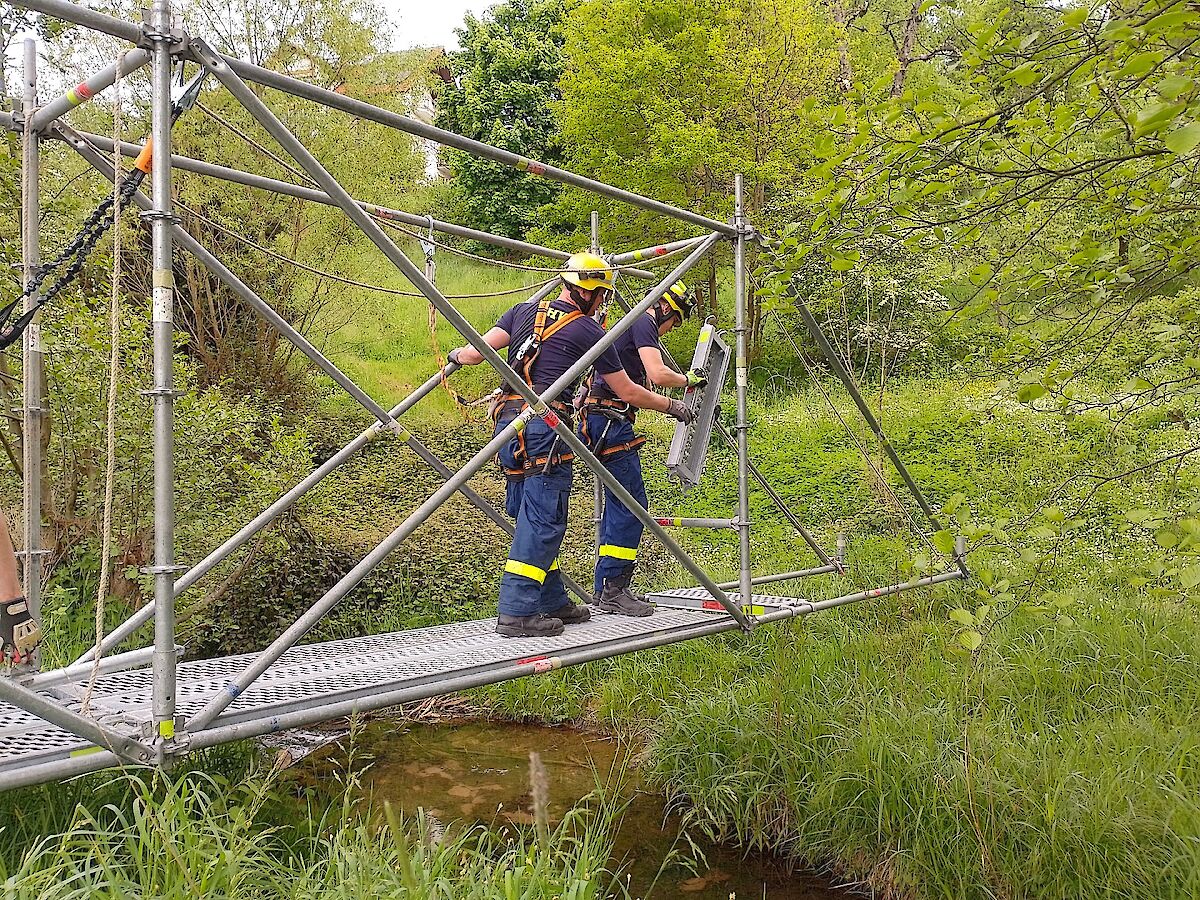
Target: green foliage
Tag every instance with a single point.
(672, 99)
(1050, 166)
(505, 79)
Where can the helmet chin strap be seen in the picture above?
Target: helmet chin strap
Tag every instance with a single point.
(661, 316)
(587, 305)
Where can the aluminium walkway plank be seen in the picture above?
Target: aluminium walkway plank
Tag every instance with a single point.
(314, 676)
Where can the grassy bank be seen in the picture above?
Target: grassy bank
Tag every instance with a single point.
(238, 834)
(1057, 761)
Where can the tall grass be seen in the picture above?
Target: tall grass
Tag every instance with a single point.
(198, 836)
(1060, 761)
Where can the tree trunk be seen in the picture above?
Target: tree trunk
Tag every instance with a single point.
(841, 18)
(905, 47)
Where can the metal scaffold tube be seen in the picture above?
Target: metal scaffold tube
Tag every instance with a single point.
(88, 88)
(741, 379)
(597, 485)
(274, 185)
(72, 12)
(835, 363)
(422, 513)
(57, 714)
(32, 360)
(650, 253)
(163, 324)
(785, 576)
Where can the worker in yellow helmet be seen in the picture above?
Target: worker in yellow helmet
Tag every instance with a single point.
(544, 339)
(606, 426)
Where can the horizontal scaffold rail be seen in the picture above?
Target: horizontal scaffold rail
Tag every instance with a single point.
(128, 31)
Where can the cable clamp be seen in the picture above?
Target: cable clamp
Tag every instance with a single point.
(162, 570)
(28, 553)
(155, 215)
(162, 392)
(175, 37)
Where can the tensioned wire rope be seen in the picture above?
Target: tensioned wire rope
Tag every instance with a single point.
(429, 239)
(347, 281)
(853, 435)
(110, 430)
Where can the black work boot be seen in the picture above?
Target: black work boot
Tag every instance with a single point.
(617, 598)
(537, 625)
(571, 613)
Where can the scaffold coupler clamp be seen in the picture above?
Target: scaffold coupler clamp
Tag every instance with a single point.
(168, 738)
(175, 36)
(392, 427)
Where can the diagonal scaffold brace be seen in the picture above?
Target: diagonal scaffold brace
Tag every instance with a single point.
(839, 369)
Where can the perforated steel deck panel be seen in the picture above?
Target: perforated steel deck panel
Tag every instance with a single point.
(689, 444)
(313, 675)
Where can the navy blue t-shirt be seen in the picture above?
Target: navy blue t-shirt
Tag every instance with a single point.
(642, 333)
(564, 348)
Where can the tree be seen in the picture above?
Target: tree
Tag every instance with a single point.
(505, 80)
(672, 98)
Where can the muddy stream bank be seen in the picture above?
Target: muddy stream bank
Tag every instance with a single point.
(474, 772)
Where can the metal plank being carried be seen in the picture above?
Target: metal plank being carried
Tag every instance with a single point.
(689, 445)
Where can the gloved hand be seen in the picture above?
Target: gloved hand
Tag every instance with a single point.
(697, 377)
(453, 356)
(677, 409)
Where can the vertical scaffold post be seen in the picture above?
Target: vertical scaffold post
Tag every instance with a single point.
(31, 353)
(163, 301)
(598, 488)
(741, 316)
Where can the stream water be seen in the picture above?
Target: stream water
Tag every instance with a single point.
(478, 772)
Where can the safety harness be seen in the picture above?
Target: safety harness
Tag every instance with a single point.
(509, 404)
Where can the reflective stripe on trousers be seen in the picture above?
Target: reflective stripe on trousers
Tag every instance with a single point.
(532, 582)
(620, 530)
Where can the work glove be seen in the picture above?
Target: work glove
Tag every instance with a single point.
(677, 409)
(697, 377)
(453, 356)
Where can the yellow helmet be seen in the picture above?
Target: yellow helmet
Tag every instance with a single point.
(587, 270)
(679, 298)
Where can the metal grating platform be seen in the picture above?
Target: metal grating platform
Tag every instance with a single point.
(315, 676)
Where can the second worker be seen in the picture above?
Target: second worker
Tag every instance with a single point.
(544, 340)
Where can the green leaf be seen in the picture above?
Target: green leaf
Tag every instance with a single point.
(962, 617)
(1183, 140)
(1155, 116)
(1026, 75)
(1174, 86)
(1190, 577)
(1075, 17)
(1166, 538)
(971, 640)
(944, 541)
(1030, 392)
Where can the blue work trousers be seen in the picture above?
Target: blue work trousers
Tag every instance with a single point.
(620, 530)
(532, 582)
